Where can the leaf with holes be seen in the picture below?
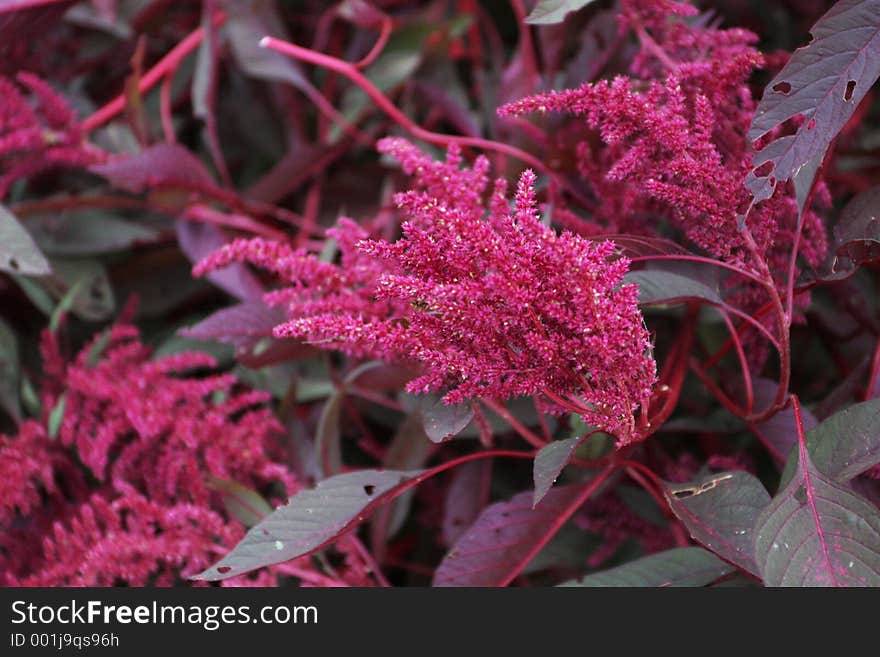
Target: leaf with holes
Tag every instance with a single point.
(19, 254)
(720, 511)
(823, 82)
(846, 444)
(310, 520)
(506, 536)
(686, 566)
(548, 12)
(815, 532)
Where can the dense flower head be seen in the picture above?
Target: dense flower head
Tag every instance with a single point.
(38, 131)
(489, 301)
(120, 481)
(672, 137)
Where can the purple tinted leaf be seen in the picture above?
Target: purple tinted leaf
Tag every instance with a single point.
(505, 537)
(720, 511)
(824, 82)
(547, 12)
(661, 287)
(443, 421)
(815, 532)
(778, 433)
(361, 13)
(19, 254)
(637, 246)
(466, 496)
(249, 21)
(199, 241)
(846, 444)
(409, 449)
(80, 233)
(549, 462)
(310, 520)
(857, 233)
(686, 566)
(162, 165)
(328, 439)
(243, 325)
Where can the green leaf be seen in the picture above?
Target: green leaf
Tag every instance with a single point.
(94, 299)
(9, 371)
(56, 415)
(686, 566)
(242, 503)
(19, 254)
(548, 12)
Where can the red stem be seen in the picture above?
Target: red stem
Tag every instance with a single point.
(168, 64)
(501, 410)
(560, 520)
(874, 374)
(743, 363)
(353, 74)
(379, 46)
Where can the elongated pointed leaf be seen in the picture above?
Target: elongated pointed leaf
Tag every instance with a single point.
(242, 503)
(720, 512)
(505, 537)
(815, 532)
(81, 233)
(310, 520)
(778, 433)
(409, 449)
(243, 325)
(466, 496)
(549, 462)
(657, 287)
(19, 253)
(443, 421)
(688, 566)
(161, 165)
(10, 371)
(846, 444)
(824, 82)
(548, 12)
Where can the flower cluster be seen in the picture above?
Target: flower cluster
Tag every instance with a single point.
(673, 138)
(489, 301)
(121, 481)
(38, 131)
